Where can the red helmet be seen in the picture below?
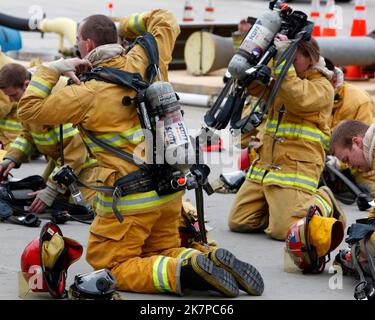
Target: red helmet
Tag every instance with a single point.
(297, 244)
(46, 259)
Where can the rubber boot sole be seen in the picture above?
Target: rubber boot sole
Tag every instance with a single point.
(220, 279)
(247, 276)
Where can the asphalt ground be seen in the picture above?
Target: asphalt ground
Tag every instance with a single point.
(265, 254)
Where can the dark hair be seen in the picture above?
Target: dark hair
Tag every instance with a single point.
(343, 133)
(13, 75)
(100, 29)
(310, 49)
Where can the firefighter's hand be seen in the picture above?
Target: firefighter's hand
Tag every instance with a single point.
(5, 167)
(38, 206)
(69, 67)
(244, 25)
(281, 42)
(280, 37)
(333, 161)
(44, 198)
(79, 65)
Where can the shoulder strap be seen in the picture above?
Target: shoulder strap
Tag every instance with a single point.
(111, 75)
(149, 44)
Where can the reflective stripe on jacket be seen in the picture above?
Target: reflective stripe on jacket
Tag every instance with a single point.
(291, 153)
(10, 126)
(133, 135)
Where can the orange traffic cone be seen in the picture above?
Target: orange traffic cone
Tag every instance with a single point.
(209, 11)
(315, 17)
(355, 73)
(359, 29)
(188, 11)
(330, 26)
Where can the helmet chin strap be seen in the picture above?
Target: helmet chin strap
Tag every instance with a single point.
(318, 264)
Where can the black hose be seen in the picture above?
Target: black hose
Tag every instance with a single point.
(78, 220)
(16, 23)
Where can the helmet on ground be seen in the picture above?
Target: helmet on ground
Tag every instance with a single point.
(297, 245)
(46, 259)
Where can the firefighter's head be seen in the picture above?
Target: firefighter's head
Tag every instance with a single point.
(348, 144)
(307, 55)
(14, 79)
(94, 31)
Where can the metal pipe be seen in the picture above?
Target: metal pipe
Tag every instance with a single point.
(198, 100)
(191, 99)
(344, 51)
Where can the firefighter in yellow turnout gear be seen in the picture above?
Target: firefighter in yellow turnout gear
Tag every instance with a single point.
(10, 126)
(46, 139)
(351, 103)
(282, 181)
(353, 143)
(143, 252)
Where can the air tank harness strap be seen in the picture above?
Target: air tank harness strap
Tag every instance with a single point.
(149, 44)
(137, 181)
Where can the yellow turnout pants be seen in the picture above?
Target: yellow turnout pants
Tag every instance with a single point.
(273, 209)
(143, 252)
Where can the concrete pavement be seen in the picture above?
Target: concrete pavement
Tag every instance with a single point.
(266, 254)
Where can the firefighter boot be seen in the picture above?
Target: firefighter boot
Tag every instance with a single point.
(199, 273)
(247, 276)
(338, 212)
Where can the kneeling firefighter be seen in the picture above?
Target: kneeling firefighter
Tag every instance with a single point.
(282, 181)
(138, 205)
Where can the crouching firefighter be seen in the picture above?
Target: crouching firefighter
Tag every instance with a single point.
(135, 232)
(47, 140)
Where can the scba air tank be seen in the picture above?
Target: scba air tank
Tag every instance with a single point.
(170, 126)
(255, 43)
